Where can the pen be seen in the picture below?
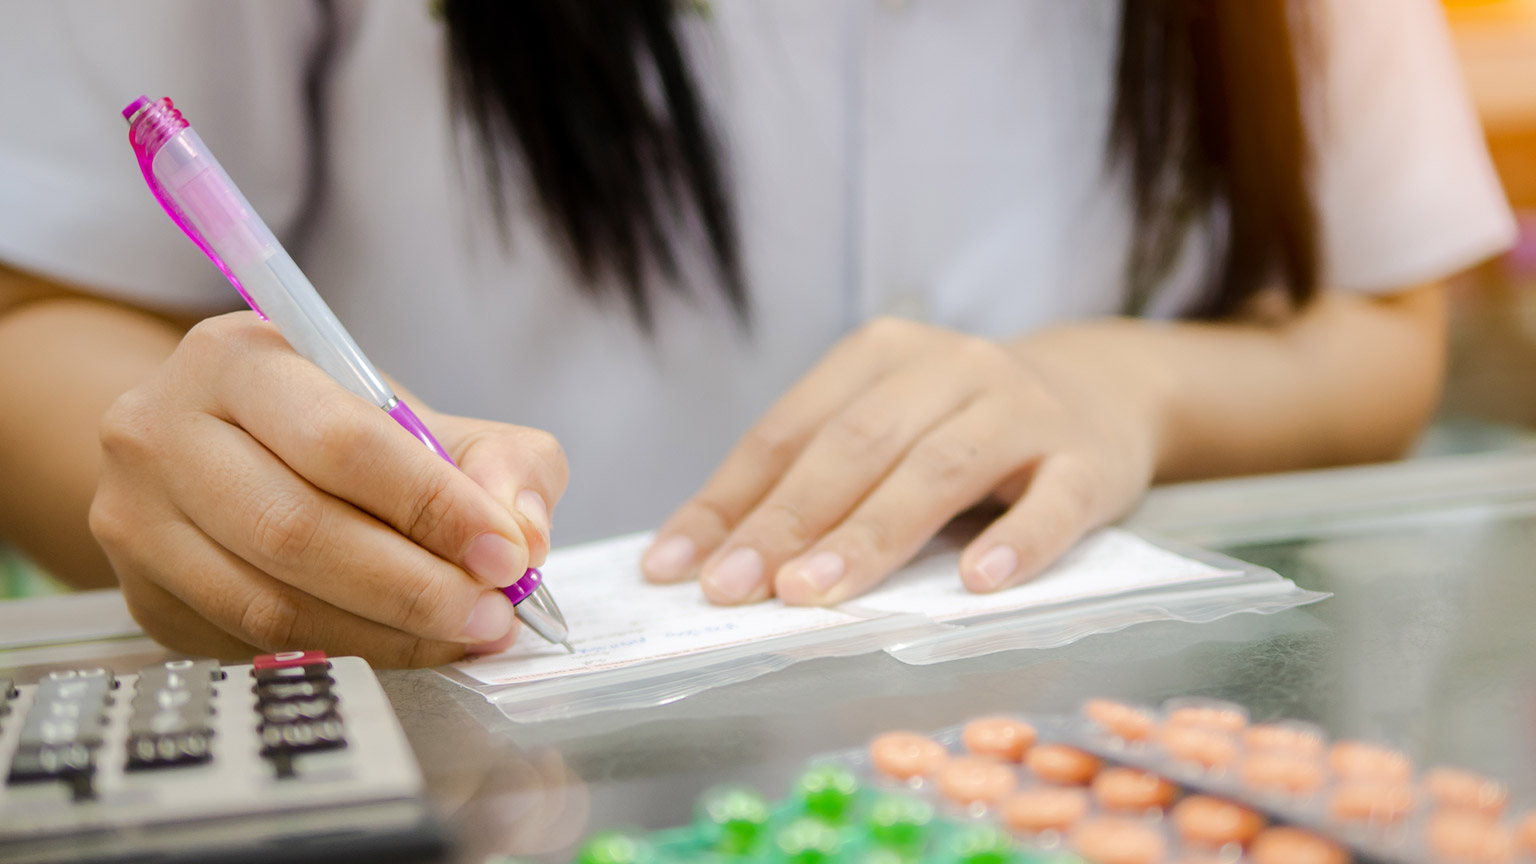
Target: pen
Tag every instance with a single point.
(204, 203)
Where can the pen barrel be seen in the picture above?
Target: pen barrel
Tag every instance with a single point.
(249, 254)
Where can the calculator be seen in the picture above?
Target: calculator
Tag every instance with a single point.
(294, 757)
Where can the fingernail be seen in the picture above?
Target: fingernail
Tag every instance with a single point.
(668, 559)
(490, 619)
(820, 571)
(531, 505)
(494, 559)
(996, 566)
(737, 575)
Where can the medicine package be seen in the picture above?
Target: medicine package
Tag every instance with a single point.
(638, 644)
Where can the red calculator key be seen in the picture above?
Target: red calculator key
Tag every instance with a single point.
(290, 658)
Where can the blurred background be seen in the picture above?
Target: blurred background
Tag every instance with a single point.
(1490, 394)
(1491, 388)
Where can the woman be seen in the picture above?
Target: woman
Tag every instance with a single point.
(635, 224)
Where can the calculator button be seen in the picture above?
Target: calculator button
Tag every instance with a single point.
(170, 721)
(302, 737)
(269, 691)
(165, 750)
(67, 710)
(295, 710)
(290, 658)
(52, 762)
(180, 674)
(188, 701)
(311, 672)
(63, 729)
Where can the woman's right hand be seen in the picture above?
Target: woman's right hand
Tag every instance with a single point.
(246, 500)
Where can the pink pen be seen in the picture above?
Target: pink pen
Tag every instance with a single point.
(201, 199)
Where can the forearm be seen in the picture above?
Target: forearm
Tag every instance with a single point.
(1352, 379)
(64, 359)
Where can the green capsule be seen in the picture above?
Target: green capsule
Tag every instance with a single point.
(731, 820)
(883, 855)
(808, 840)
(615, 847)
(980, 844)
(900, 822)
(828, 791)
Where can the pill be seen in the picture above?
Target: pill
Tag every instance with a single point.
(1525, 833)
(1058, 763)
(1464, 790)
(1359, 760)
(1370, 801)
(1205, 821)
(1294, 846)
(1127, 789)
(1207, 748)
(1468, 837)
(899, 823)
(1291, 738)
(905, 755)
(1044, 808)
(1119, 719)
(999, 737)
(1108, 840)
(1219, 716)
(827, 791)
(973, 780)
(1282, 772)
(978, 844)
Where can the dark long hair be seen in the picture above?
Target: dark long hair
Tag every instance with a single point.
(596, 97)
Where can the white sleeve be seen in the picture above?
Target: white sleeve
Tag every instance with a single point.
(73, 204)
(1405, 189)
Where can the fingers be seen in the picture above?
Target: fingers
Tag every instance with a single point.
(762, 455)
(351, 449)
(522, 469)
(946, 471)
(1067, 497)
(250, 503)
(848, 456)
(177, 626)
(240, 611)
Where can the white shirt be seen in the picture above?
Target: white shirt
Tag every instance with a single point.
(939, 159)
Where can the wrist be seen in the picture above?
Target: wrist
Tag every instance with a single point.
(1112, 368)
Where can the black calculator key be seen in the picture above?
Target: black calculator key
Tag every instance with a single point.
(302, 737)
(163, 751)
(52, 762)
(269, 691)
(294, 710)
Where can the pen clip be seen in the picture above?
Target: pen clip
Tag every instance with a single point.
(142, 110)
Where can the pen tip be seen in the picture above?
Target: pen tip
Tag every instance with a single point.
(568, 648)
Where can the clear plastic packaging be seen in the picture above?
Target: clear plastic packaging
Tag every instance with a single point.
(660, 682)
(1237, 587)
(919, 617)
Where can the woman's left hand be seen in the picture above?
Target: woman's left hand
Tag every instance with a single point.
(901, 427)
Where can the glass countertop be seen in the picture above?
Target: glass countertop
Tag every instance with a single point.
(1427, 644)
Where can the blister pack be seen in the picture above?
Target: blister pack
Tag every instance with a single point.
(1192, 781)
